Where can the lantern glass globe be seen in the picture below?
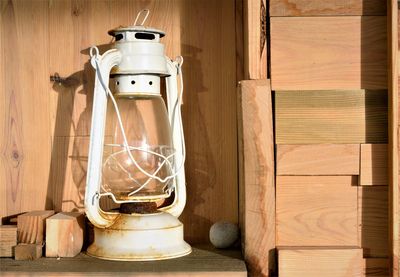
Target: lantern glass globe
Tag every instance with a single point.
(148, 131)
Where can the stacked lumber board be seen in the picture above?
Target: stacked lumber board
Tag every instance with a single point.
(329, 74)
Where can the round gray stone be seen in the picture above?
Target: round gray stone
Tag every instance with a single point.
(224, 234)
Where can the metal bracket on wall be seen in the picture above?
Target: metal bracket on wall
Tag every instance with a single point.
(71, 81)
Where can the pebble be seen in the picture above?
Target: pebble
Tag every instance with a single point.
(224, 234)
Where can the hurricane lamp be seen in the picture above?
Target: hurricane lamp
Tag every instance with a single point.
(137, 150)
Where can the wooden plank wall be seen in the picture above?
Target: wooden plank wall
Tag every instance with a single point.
(45, 126)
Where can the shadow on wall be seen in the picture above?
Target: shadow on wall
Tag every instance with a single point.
(373, 200)
(200, 166)
(69, 153)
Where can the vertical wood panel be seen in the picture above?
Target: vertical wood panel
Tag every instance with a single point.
(24, 124)
(393, 113)
(257, 186)
(209, 113)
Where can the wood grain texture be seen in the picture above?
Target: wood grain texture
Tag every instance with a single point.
(8, 239)
(255, 39)
(373, 165)
(373, 221)
(316, 211)
(318, 159)
(319, 8)
(32, 226)
(25, 143)
(320, 262)
(344, 116)
(256, 174)
(28, 252)
(376, 267)
(314, 53)
(64, 234)
(202, 261)
(393, 152)
(40, 38)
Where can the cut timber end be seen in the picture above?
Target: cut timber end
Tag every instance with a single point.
(24, 252)
(64, 234)
(8, 239)
(31, 226)
(317, 262)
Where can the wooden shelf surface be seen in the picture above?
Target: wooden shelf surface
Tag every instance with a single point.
(203, 261)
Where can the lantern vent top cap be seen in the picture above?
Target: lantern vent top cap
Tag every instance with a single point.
(137, 27)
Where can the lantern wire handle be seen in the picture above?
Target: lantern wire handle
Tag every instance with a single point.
(147, 11)
(95, 58)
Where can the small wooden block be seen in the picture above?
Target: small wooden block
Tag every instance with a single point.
(24, 251)
(8, 239)
(318, 159)
(373, 165)
(374, 220)
(316, 211)
(317, 262)
(31, 226)
(64, 234)
(376, 267)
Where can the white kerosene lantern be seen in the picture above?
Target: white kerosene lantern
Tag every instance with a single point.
(140, 164)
